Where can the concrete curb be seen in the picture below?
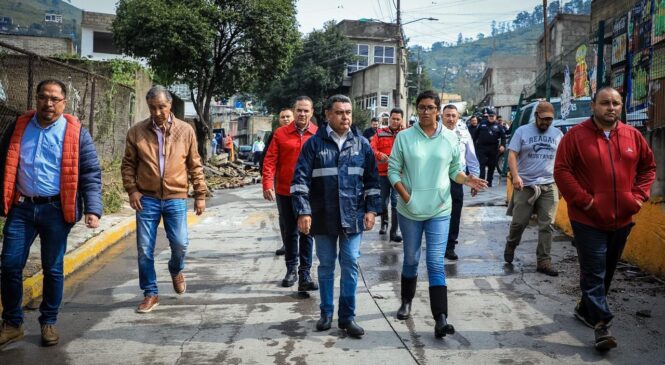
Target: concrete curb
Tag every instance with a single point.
(88, 251)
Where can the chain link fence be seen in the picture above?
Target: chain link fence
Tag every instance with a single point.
(103, 106)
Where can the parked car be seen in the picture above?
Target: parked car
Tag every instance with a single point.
(245, 153)
(580, 110)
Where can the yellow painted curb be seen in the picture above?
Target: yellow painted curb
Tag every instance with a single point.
(89, 250)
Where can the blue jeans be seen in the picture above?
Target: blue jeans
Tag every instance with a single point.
(298, 246)
(598, 252)
(387, 191)
(24, 222)
(174, 212)
(436, 237)
(349, 251)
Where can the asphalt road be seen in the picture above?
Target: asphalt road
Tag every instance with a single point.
(235, 312)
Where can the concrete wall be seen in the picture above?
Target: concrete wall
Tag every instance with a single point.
(508, 84)
(606, 10)
(43, 46)
(378, 79)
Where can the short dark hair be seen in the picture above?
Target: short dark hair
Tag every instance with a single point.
(303, 98)
(286, 108)
(52, 82)
(429, 94)
(338, 98)
(374, 119)
(604, 88)
(398, 111)
(449, 106)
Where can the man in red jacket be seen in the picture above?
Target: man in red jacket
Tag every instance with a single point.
(382, 144)
(604, 169)
(279, 165)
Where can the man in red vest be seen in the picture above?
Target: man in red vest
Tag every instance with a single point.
(382, 144)
(50, 179)
(279, 165)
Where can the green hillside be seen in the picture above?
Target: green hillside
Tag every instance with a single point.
(454, 62)
(28, 17)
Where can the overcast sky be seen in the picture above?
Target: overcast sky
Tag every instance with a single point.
(454, 16)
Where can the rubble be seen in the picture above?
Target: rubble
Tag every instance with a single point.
(222, 174)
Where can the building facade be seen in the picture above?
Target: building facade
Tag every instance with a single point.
(504, 81)
(372, 77)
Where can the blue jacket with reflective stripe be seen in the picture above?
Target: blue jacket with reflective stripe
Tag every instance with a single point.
(336, 187)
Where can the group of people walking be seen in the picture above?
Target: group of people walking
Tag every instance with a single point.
(330, 183)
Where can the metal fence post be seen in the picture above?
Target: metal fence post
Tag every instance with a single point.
(91, 122)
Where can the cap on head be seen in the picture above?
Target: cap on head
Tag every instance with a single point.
(545, 110)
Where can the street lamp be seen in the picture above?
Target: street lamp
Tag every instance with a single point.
(400, 39)
(419, 19)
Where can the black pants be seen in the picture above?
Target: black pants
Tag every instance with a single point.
(598, 252)
(487, 157)
(457, 194)
(298, 246)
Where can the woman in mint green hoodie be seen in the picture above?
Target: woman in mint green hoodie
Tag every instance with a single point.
(423, 160)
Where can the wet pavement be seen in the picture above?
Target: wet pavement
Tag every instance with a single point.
(235, 312)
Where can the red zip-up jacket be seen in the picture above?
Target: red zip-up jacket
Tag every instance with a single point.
(282, 157)
(382, 142)
(614, 172)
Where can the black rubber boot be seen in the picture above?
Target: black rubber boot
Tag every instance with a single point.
(384, 223)
(393, 226)
(408, 292)
(438, 299)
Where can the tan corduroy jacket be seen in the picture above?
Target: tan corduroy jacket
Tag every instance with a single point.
(140, 165)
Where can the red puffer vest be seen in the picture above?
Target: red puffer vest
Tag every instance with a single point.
(69, 172)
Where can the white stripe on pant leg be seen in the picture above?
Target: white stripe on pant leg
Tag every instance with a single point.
(356, 170)
(372, 192)
(299, 189)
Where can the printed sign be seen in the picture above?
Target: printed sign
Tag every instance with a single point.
(619, 39)
(639, 74)
(581, 83)
(658, 25)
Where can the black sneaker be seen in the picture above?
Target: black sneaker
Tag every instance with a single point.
(580, 313)
(451, 255)
(305, 283)
(280, 251)
(290, 278)
(604, 340)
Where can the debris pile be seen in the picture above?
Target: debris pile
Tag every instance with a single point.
(222, 174)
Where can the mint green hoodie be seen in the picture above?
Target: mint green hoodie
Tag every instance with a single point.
(425, 166)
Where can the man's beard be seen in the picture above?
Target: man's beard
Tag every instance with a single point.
(604, 122)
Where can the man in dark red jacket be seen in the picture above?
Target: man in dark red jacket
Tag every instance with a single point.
(278, 165)
(604, 169)
(382, 144)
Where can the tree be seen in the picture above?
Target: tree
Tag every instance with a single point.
(218, 48)
(317, 70)
(480, 36)
(537, 15)
(460, 39)
(522, 19)
(495, 31)
(416, 81)
(553, 9)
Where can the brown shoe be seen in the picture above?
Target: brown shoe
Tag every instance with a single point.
(49, 335)
(9, 334)
(179, 284)
(546, 268)
(148, 304)
(509, 253)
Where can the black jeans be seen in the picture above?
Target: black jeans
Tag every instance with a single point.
(457, 194)
(298, 246)
(487, 157)
(598, 252)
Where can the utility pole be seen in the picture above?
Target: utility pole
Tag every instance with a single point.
(546, 45)
(398, 74)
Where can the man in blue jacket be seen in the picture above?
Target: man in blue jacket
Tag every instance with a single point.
(337, 166)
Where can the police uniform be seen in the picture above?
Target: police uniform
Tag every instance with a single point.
(488, 137)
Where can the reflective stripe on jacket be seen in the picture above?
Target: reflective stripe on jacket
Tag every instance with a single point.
(336, 187)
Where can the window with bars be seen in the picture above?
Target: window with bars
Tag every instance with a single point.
(385, 99)
(383, 54)
(361, 51)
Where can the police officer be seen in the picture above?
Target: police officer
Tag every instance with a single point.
(490, 141)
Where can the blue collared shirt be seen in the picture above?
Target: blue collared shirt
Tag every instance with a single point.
(41, 157)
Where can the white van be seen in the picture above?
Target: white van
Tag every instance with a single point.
(580, 111)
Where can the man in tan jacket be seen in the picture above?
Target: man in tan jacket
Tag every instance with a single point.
(160, 153)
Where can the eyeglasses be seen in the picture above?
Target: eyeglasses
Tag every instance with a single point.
(46, 98)
(428, 108)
